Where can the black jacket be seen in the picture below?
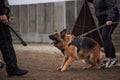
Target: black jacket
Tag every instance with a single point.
(106, 9)
(2, 5)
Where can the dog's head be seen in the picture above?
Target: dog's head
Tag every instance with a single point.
(57, 37)
(61, 39)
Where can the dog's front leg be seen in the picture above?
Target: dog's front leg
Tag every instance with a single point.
(63, 62)
(67, 63)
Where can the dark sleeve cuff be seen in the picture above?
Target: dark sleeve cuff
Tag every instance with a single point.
(91, 1)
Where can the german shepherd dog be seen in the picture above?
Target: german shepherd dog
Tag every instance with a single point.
(74, 48)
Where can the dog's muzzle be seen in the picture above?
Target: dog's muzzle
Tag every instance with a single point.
(54, 39)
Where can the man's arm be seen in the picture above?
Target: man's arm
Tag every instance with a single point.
(3, 17)
(111, 5)
(2, 5)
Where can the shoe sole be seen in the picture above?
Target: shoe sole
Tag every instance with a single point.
(11, 75)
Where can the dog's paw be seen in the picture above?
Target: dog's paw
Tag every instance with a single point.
(59, 69)
(62, 70)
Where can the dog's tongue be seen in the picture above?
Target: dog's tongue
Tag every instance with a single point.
(53, 42)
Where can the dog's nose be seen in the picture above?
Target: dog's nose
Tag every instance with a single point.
(51, 36)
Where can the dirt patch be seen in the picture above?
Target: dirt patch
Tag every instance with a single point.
(42, 61)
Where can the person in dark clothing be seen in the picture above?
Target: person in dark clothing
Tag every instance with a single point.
(6, 45)
(107, 12)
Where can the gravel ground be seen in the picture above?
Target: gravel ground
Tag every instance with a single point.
(42, 61)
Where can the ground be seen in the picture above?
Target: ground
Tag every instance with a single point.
(42, 61)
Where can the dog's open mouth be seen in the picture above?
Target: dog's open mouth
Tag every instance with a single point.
(54, 42)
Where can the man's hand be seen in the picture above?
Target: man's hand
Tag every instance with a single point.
(109, 23)
(3, 18)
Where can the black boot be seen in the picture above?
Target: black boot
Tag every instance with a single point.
(16, 72)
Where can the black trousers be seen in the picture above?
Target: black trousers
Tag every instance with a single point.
(106, 34)
(7, 48)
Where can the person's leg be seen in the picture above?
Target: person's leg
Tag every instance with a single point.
(8, 53)
(10, 59)
(113, 60)
(7, 49)
(109, 48)
(107, 41)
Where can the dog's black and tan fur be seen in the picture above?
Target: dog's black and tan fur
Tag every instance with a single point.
(74, 48)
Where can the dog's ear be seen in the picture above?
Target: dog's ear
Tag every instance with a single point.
(63, 32)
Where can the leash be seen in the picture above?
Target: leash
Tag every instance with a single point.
(21, 40)
(97, 28)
